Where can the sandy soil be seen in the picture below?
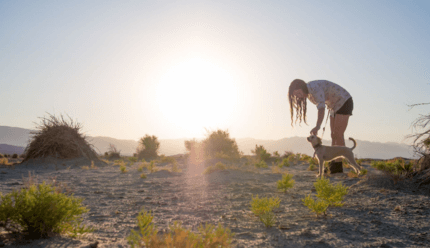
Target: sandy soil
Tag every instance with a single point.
(377, 212)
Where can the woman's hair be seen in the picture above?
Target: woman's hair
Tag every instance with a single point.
(298, 103)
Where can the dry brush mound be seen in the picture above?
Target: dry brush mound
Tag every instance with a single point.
(58, 138)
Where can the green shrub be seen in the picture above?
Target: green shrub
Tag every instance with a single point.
(175, 167)
(305, 157)
(143, 175)
(286, 182)
(217, 167)
(132, 159)
(328, 194)
(208, 236)
(396, 169)
(123, 168)
(285, 163)
(40, 209)
(319, 206)
(363, 172)
(333, 194)
(261, 164)
(148, 147)
(261, 153)
(218, 144)
(263, 209)
(151, 167)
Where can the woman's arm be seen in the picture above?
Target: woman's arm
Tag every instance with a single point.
(321, 111)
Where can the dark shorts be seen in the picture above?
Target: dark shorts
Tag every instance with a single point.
(346, 108)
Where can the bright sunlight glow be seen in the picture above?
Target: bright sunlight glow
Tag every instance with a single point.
(197, 94)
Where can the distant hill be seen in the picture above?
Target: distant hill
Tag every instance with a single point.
(365, 149)
(9, 149)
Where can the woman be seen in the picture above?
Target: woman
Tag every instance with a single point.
(321, 93)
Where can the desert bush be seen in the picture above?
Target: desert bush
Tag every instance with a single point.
(261, 164)
(4, 161)
(396, 169)
(217, 167)
(40, 209)
(333, 194)
(170, 160)
(1, 155)
(261, 153)
(363, 172)
(123, 168)
(218, 144)
(15, 155)
(143, 175)
(59, 138)
(328, 194)
(132, 159)
(305, 157)
(276, 154)
(175, 167)
(291, 158)
(151, 166)
(284, 163)
(359, 161)
(263, 209)
(319, 206)
(286, 182)
(287, 154)
(312, 167)
(148, 147)
(208, 235)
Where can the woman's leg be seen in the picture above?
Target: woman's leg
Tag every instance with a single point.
(338, 126)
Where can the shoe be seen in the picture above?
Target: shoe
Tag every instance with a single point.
(335, 167)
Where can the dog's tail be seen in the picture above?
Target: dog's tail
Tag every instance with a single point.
(355, 144)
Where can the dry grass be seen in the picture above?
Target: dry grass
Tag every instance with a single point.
(59, 138)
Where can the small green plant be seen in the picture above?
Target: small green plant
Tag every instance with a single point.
(41, 209)
(333, 194)
(263, 209)
(261, 153)
(123, 168)
(86, 167)
(143, 175)
(217, 167)
(363, 172)
(175, 167)
(261, 164)
(284, 163)
(396, 169)
(151, 166)
(132, 159)
(328, 194)
(286, 182)
(319, 206)
(208, 235)
(312, 166)
(305, 157)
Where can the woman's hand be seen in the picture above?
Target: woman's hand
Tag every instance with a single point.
(314, 131)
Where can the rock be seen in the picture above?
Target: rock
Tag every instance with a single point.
(94, 245)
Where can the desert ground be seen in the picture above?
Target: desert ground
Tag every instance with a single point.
(377, 212)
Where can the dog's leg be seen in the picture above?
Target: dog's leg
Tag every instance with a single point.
(320, 168)
(352, 162)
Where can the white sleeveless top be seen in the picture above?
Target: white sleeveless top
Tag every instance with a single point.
(323, 92)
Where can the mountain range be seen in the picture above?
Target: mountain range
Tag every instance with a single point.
(14, 140)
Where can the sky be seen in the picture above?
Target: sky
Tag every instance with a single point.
(180, 69)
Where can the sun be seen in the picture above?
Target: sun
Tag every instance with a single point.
(197, 94)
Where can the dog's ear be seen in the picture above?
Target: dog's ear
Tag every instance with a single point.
(319, 140)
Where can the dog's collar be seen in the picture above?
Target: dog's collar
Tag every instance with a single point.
(316, 146)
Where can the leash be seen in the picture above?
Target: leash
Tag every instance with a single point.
(328, 114)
